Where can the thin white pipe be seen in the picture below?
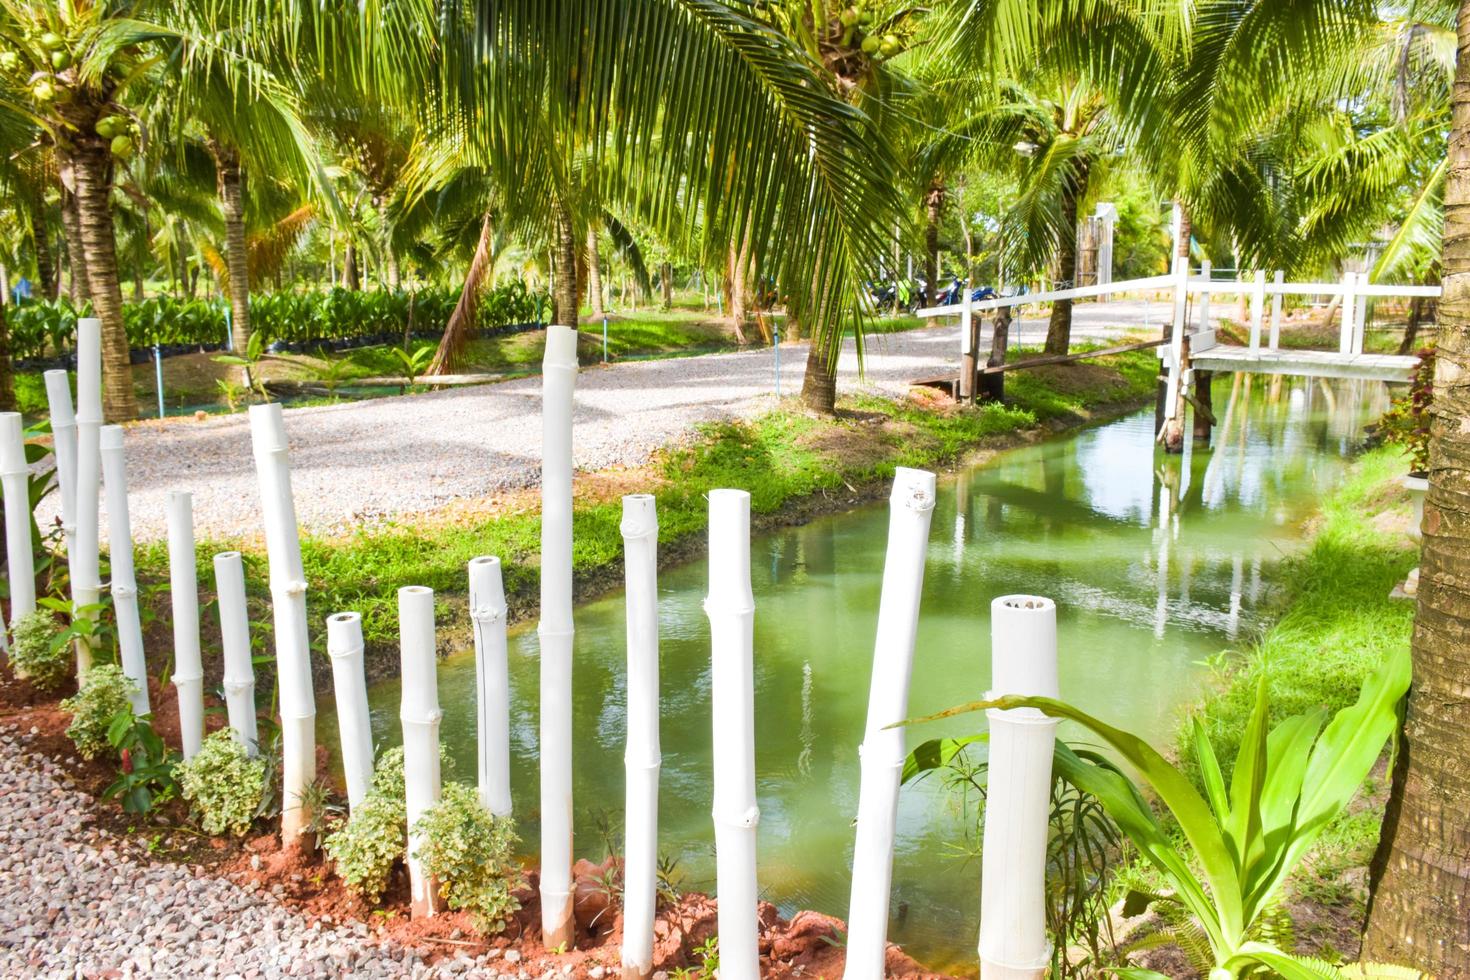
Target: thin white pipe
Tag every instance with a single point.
(64, 442)
(349, 683)
(642, 757)
(120, 553)
(420, 716)
(731, 610)
(911, 505)
(492, 684)
(1013, 943)
(86, 579)
(234, 628)
(184, 589)
(288, 605)
(559, 377)
(15, 477)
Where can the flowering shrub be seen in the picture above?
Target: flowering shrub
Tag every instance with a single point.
(1406, 423)
(38, 651)
(104, 695)
(224, 784)
(470, 852)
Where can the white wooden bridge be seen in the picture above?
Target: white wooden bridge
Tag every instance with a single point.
(1193, 347)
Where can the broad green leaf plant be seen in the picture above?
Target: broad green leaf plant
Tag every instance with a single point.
(1238, 843)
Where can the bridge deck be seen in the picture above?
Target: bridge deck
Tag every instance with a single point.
(1311, 363)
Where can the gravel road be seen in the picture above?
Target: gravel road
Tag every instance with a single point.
(365, 461)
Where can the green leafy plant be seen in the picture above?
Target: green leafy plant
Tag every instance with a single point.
(365, 848)
(470, 852)
(39, 650)
(709, 962)
(103, 696)
(1406, 422)
(145, 765)
(254, 354)
(223, 784)
(1288, 785)
(411, 363)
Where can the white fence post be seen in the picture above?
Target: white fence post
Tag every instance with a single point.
(642, 757)
(731, 610)
(86, 579)
(554, 631)
(120, 552)
(911, 506)
(64, 439)
(1176, 339)
(1278, 279)
(1013, 944)
(349, 687)
(15, 476)
(288, 605)
(1360, 315)
(184, 589)
(234, 628)
(492, 684)
(1258, 307)
(1349, 316)
(420, 716)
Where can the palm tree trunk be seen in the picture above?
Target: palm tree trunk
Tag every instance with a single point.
(461, 325)
(41, 236)
(819, 384)
(71, 229)
(1411, 329)
(594, 276)
(933, 211)
(349, 266)
(232, 204)
(1420, 878)
(1059, 328)
(564, 296)
(666, 277)
(92, 161)
(7, 375)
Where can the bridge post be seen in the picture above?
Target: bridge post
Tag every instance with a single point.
(1360, 315)
(1258, 306)
(965, 388)
(1278, 279)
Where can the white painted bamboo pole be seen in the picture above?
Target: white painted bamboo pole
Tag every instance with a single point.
(1349, 314)
(184, 590)
(1278, 279)
(86, 579)
(234, 628)
(911, 505)
(492, 684)
(1176, 338)
(64, 442)
(288, 606)
(15, 478)
(420, 716)
(558, 380)
(349, 684)
(731, 610)
(642, 758)
(1013, 944)
(1258, 307)
(120, 554)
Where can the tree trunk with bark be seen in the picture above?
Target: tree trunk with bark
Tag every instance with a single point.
(1411, 329)
(7, 373)
(1059, 328)
(594, 276)
(564, 245)
(933, 213)
(79, 288)
(819, 385)
(232, 205)
(1419, 906)
(350, 278)
(462, 322)
(41, 237)
(738, 260)
(666, 283)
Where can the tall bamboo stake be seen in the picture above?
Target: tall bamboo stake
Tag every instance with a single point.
(86, 579)
(420, 716)
(731, 610)
(288, 605)
(120, 553)
(559, 378)
(64, 441)
(1013, 943)
(234, 628)
(184, 588)
(911, 505)
(641, 759)
(492, 684)
(349, 683)
(15, 477)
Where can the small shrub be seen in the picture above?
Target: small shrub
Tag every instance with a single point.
(102, 697)
(1406, 423)
(145, 776)
(470, 852)
(38, 651)
(223, 784)
(388, 772)
(367, 846)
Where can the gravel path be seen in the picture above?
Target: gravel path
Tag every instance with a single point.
(75, 902)
(364, 461)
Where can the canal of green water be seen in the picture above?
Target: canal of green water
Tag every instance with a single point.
(1156, 564)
